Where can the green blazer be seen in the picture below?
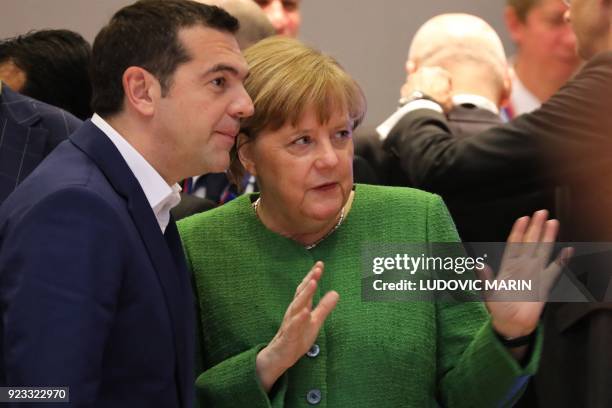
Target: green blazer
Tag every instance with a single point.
(368, 354)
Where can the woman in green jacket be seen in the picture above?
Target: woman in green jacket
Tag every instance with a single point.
(271, 337)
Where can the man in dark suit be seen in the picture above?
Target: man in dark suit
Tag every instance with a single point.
(472, 54)
(94, 291)
(29, 131)
(567, 142)
(482, 217)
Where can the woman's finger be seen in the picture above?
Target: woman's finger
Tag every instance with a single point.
(518, 230)
(315, 273)
(551, 229)
(536, 226)
(514, 246)
(544, 248)
(324, 308)
(303, 299)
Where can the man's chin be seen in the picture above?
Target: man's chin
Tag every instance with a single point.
(217, 166)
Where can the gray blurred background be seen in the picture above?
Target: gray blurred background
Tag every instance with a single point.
(369, 38)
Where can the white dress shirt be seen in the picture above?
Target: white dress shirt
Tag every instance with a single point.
(521, 100)
(161, 196)
(480, 102)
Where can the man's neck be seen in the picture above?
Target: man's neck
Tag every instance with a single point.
(541, 80)
(471, 79)
(141, 140)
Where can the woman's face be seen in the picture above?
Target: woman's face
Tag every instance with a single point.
(305, 173)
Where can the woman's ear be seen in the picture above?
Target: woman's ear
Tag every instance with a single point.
(244, 148)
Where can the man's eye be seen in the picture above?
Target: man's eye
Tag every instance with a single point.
(220, 82)
(290, 5)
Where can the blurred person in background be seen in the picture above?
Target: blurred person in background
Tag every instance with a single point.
(545, 55)
(254, 23)
(30, 131)
(283, 14)
(51, 66)
(470, 50)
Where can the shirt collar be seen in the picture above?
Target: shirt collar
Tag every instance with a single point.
(481, 102)
(161, 196)
(521, 99)
(478, 101)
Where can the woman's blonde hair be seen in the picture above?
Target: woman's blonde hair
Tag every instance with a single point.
(288, 77)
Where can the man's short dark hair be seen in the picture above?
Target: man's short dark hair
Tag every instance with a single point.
(56, 66)
(145, 34)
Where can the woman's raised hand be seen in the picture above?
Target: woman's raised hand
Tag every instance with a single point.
(527, 255)
(298, 330)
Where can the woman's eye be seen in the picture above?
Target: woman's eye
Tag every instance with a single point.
(344, 134)
(303, 140)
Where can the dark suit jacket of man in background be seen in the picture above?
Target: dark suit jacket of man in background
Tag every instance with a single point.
(191, 205)
(479, 218)
(117, 318)
(567, 143)
(482, 218)
(29, 130)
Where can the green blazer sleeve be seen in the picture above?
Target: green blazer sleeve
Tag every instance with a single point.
(234, 383)
(479, 374)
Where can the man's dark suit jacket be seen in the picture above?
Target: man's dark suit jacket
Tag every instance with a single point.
(93, 296)
(567, 143)
(482, 218)
(29, 131)
(479, 218)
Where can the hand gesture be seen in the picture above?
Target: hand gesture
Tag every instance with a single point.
(435, 82)
(298, 331)
(530, 244)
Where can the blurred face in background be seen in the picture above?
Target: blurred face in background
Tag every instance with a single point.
(12, 76)
(590, 20)
(544, 37)
(283, 14)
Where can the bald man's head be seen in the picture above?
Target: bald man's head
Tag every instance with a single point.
(469, 49)
(254, 24)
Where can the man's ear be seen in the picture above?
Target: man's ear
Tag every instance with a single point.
(504, 98)
(141, 90)
(513, 24)
(245, 152)
(411, 66)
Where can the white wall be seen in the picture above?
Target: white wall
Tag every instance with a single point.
(369, 38)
